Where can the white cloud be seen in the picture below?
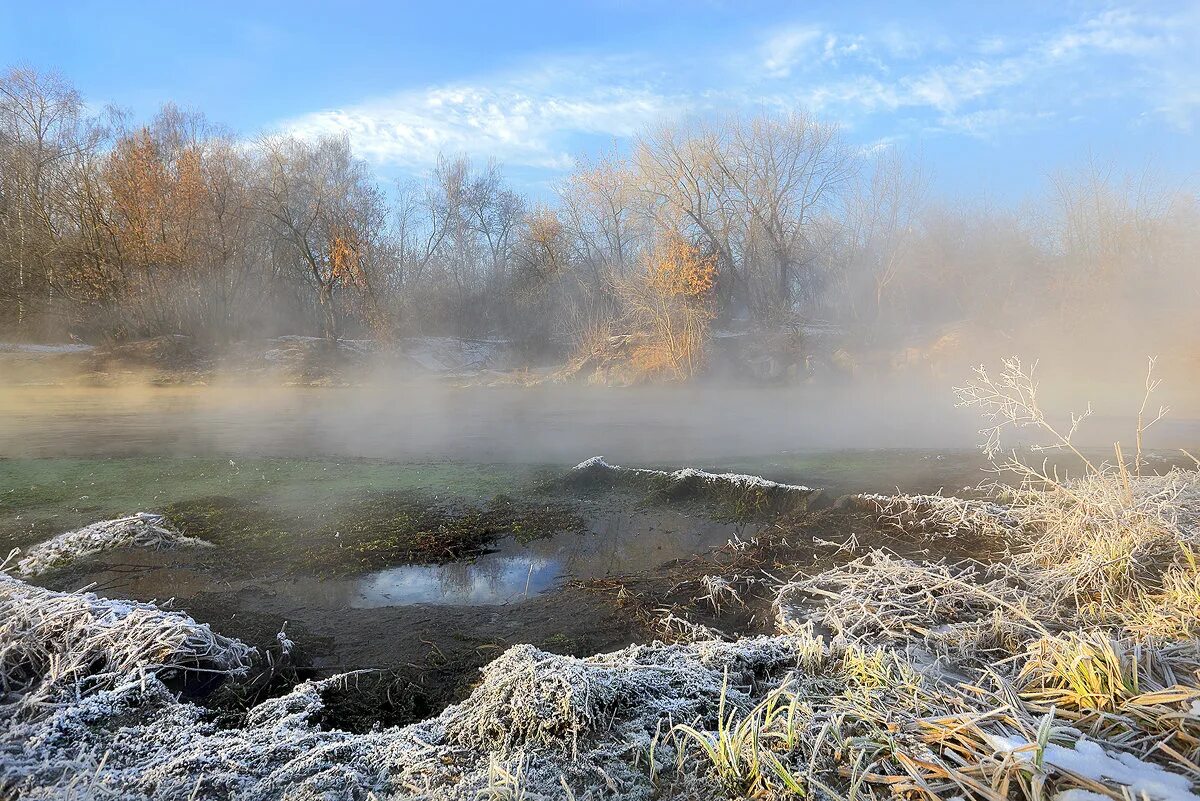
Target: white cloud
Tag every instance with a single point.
(1004, 82)
(524, 119)
(1114, 31)
(804, 46)
(1009, 83)
(784, 50)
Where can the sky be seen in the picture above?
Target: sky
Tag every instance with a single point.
(991, 96)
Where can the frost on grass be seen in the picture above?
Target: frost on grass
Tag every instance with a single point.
(774, 717)
(59, 647)
(1109, 533)
(945, 679)
(139, 531)
(936, 514)
(882, 597)
(554, 720)
(742, 494)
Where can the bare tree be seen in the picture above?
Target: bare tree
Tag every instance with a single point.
(44, 139)
(879, 228)
(754, 188)
(326, 215)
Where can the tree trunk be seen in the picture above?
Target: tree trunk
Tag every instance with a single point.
(328, 315)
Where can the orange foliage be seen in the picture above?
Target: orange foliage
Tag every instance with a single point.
(155, 201)
(673, 304)
(678, 269)
(345, 260)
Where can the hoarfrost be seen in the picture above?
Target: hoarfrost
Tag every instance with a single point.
(584, 722)
(59, 646)
(139, 530)
(736, 479)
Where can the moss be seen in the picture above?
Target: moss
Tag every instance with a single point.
(385, 528)
(529, 521)
(227, 521)
(369, 531)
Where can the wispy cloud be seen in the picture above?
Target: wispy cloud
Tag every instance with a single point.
(792, 49)
(1143, 66)
(782, 51)
(524, 119)
(1012, 83)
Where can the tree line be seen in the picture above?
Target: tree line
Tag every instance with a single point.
(111, 229)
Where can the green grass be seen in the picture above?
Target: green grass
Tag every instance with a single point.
(39, 497)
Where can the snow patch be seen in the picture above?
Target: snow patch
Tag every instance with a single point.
(1089, 760)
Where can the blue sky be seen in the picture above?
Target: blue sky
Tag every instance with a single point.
(991, 95)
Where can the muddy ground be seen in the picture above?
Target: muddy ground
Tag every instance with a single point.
(607, 567)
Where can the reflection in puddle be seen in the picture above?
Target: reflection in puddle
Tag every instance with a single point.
(616, 543)
(490, 580)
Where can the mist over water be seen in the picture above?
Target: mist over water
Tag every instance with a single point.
(548, 424)
(703, 423)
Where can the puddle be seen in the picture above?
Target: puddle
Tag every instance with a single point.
(617, 542)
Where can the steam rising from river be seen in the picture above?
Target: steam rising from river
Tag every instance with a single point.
(701, 424)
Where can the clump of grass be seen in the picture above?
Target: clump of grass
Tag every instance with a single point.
(57, 645)
(938, 514)
(135, 531)
(1169, 610)
(881, 596)
(1099, 535)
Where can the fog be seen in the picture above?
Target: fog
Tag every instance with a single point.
(704, 424)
